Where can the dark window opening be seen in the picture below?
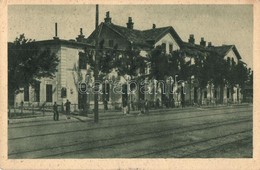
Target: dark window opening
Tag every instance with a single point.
(228, 93)
(170, 48)
(37, 92)
(205, 94)
(26, 93)
(164, 47)
(215, 94)
(63, 92)
(82, 62)
(48, 93)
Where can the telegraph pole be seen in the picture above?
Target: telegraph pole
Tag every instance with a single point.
(96, 117)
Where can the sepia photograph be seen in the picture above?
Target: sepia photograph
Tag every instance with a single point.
(130, 81)
(129, 85)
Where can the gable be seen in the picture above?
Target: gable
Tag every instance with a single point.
(168, 40)
(108, 34)
(231, 54)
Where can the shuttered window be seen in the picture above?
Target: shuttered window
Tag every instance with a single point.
(37, 92)
(26, 93)
(48, 93)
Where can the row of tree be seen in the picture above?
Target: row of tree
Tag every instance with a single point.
(208, 67)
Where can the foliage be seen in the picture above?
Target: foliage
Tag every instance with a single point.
(27, 63)
(130, 62)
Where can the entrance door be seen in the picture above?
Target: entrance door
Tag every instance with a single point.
(82, 100)
(48, 93)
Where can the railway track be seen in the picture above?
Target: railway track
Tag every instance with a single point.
(247, 140)
(129, 124)
(123, 139)
(117, 117)
(178, 151)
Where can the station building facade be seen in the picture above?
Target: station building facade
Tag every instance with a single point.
(65, 84)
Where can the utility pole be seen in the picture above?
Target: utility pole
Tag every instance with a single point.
(190, 81)
(96, 117)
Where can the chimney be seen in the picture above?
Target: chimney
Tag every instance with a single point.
(56, 31)
(202, 42)
(209, 44)
(97, 16)
(130, 24)
(191, 39)
(81, 32)
(154, 26)
(80, 37)
(108, 18)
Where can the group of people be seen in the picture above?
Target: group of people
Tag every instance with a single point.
(143, 106)
(56, 112)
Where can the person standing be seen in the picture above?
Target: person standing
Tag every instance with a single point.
(157, 103)
(105, 104)
(146, 106)
(21, 107)
(124, 106)
(55, 111)
(67, 105)
(142, 107)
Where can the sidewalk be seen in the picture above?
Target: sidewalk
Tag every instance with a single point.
(48, 116)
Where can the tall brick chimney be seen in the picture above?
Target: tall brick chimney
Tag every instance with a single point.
(154, 26)
(108, 18)
(202, 42)
(191, 39)
(56, 31)
(130, 24)
(209, 44)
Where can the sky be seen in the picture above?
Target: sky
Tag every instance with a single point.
(219, 24)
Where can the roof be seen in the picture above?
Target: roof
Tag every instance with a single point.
(225, 49)
(194, 48)
(139, 37)
(60, 42)
(220, 50)
(157, 33)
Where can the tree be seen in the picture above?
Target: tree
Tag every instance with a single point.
(106, 62)
(131, 64)
(243, 76)
(27, 64)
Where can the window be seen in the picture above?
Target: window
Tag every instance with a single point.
(111, 43)
(63, 92)
(228, 93)
(37, 92)
(215, 94)
(205, 94)
(26, 94)
(164, 47)
(82, 62)
(170, 48)
(48, 93)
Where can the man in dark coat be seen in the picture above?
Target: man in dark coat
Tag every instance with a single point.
(67, 105)
(55, 111)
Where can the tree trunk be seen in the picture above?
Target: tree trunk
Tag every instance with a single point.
(201, 96)
(232, 93)
(221, 96)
